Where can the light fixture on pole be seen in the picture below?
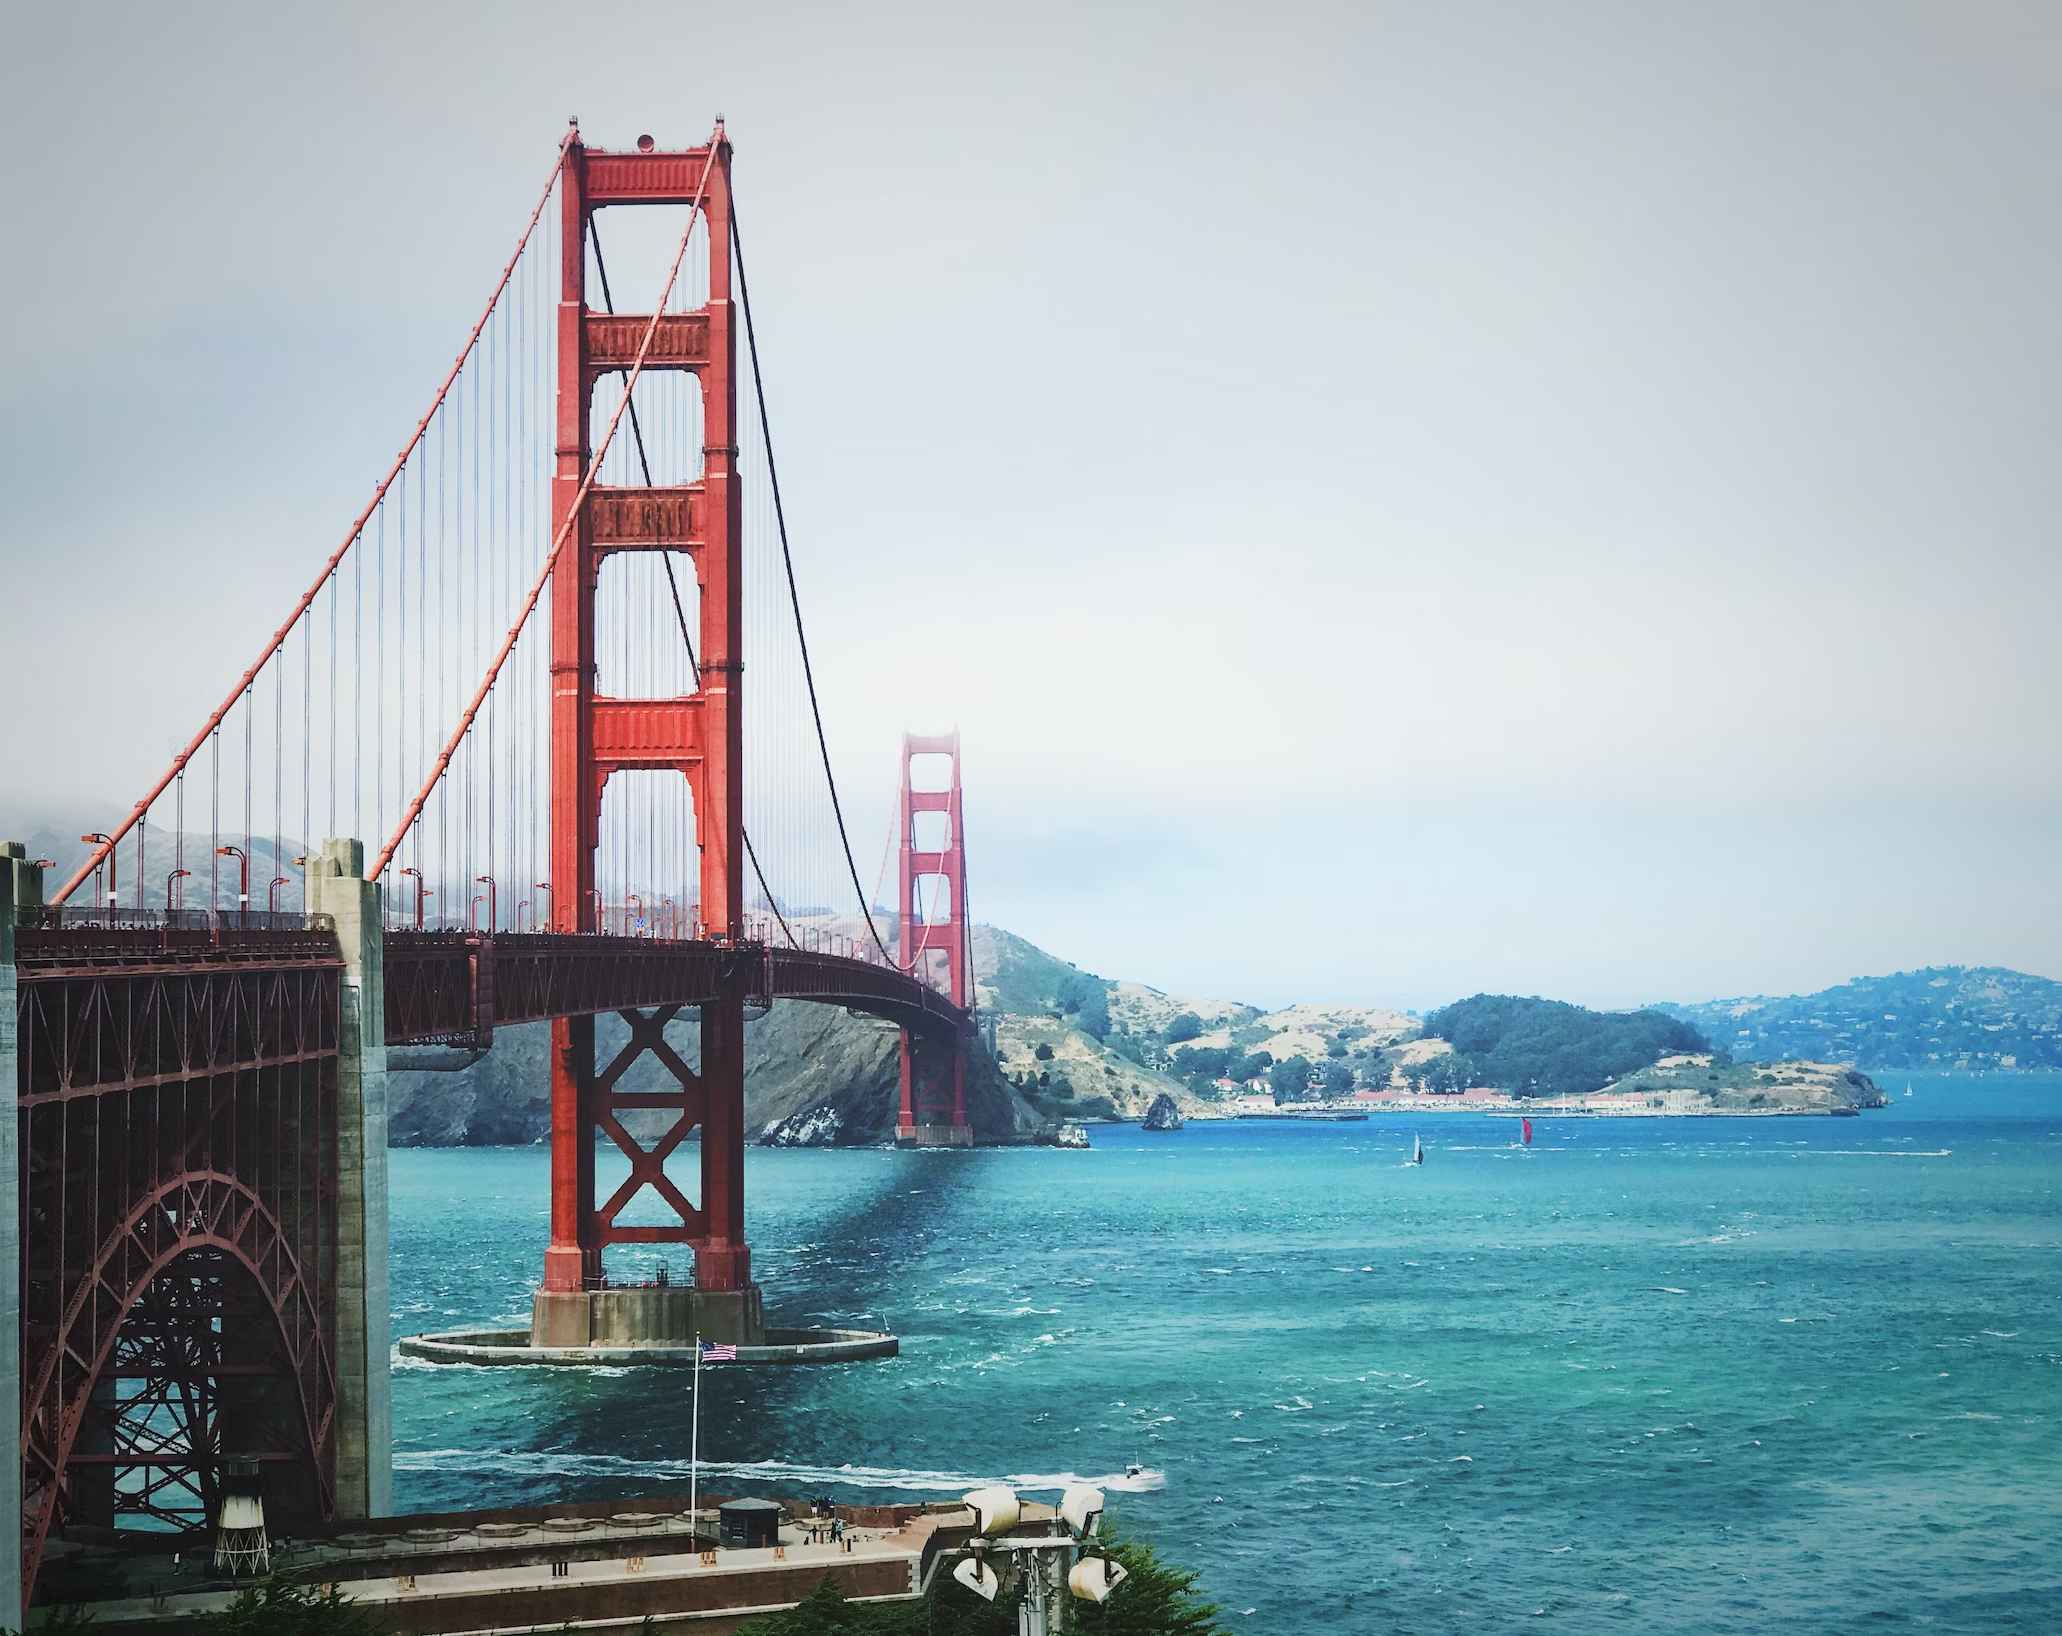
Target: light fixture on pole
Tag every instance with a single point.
(109, 842)
(1048, 1570)
(419, 895)
(243, 879)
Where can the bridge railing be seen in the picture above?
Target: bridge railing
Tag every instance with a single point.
(51, 936)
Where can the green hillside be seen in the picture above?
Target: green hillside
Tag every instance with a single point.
(1938, 1017)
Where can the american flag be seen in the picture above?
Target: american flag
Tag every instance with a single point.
(713, 1353)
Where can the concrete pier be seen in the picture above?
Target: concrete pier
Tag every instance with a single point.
(935, 1136)
(336, 887)
(670, 1315)
(20, 886)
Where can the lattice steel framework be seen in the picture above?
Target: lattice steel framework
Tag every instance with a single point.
(177, 1098)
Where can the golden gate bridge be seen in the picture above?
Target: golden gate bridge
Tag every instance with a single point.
(515, 698)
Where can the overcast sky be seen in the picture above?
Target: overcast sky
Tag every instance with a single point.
(1399, 499)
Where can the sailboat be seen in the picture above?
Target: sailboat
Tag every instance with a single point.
(1417, 1151)
(1908, 1089)
(1527, 1123)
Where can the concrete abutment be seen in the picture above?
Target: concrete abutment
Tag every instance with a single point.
(336, 887)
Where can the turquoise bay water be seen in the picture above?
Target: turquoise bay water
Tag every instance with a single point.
(1653, 1375)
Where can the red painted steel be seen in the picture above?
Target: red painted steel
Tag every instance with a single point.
(177, 1103)
(568, 501)
(923, 945)
(698, 736)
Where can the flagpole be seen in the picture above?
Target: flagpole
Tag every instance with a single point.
(694, 1449)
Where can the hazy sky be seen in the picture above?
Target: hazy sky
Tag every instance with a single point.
(1399, 499)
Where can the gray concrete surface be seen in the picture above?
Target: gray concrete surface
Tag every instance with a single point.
(365, 1442)
(511, 1347)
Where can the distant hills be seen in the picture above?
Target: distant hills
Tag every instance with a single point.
(1071, 1044)
(1941, 1018)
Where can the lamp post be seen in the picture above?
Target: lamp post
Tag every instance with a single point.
(521, 905)
(171, 880)
(632, 897)
(600, 917)
(666, 912)
(243, 880)
(420, 894)
(272, 893)
(1046, 1569)
(537, 914)
(493, 908)
(109, 843)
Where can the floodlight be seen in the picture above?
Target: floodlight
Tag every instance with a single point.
(995, 1509)
(1081, 1508)
(1094, 1577)
(978, 1577)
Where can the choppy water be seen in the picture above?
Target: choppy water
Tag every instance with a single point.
(1653, 1375)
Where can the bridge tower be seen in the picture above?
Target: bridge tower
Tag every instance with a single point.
(698, 735)
(933, 1110)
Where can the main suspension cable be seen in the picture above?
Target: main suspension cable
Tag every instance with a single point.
(794, 596)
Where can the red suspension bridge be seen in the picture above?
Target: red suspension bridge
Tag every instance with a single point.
(523, 675)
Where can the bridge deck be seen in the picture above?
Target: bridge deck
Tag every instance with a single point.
(450, 987)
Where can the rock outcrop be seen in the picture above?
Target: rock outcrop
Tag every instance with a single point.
(814, 1077)
(1162, 1115)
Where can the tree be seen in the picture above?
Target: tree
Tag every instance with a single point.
(1207, 1060)
(1044, 1052)
(826, 1612)
(1290, 1079)
(1094, 1008)
(1251, 1066)
(278, 1607)
(1540, 1047)
(1183, 1025)
(1336, 1048)
(1338, 1079)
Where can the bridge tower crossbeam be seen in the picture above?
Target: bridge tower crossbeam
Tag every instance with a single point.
(698, 735)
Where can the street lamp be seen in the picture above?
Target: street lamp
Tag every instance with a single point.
(632, 897)
(175, 876)
(493, 908)
(243, 879)
(521, 905)
(600, 916)
(107, 841)
(537, 915)
(1036, 1565)
(420, 894)
(272, 893)
(666, 904)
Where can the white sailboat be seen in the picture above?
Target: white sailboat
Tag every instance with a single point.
(1417, 1150)
(1908, 1090)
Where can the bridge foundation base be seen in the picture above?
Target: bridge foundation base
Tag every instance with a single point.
(935, 1136)
(665, 1315)
(503, 1347)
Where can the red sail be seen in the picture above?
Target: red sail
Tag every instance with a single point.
(1528, 1132)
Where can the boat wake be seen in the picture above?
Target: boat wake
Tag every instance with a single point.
(539, 1463)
